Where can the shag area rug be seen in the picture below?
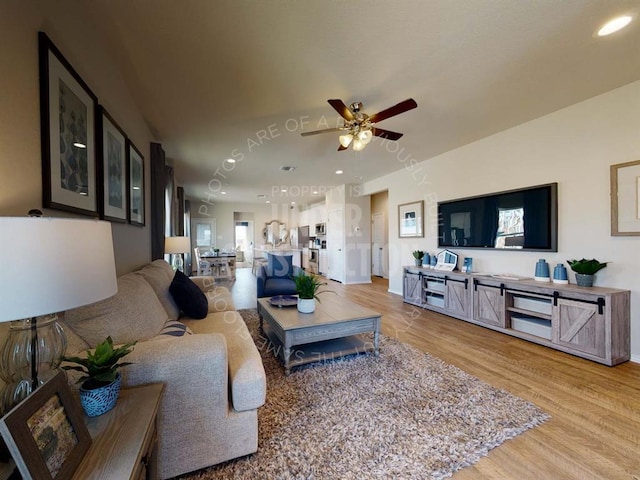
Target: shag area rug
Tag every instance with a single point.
(404, 414)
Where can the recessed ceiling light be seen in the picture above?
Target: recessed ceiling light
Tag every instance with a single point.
(293, 203)
(283, 190)
(268, 201)
(614, 25)
(79, 145)
(231, 160)
(223, 193)
(339, 172)
(315, 192)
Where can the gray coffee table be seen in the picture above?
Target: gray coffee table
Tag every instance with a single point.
(334, 330)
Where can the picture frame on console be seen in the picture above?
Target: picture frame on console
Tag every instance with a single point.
(135, 185)
(411, 219)
(68, 137)
(112, 160)
(46, 434)
(625, 199)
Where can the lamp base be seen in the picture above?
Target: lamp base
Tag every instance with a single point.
(30, 356)
(177, 263)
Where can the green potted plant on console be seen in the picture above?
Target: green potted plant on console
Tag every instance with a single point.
(307, 287)
(418, 254)
(101, 380)
(585, 270)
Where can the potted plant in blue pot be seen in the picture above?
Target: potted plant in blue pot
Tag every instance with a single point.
(101, 380)
(417, 255)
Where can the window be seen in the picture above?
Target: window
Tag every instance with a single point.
(510, 228)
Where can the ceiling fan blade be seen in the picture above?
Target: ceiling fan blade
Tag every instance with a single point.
(326, 130)
(341, 148)
(341, 108)
(379, 132)
(392, 111)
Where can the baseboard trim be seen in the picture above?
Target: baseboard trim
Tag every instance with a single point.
(635, 358)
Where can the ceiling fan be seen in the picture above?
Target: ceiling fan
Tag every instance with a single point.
(359, 126)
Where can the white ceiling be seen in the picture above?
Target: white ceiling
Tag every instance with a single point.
(222, 78)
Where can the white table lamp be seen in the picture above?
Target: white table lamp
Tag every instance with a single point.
(176, 246)
(49, 265)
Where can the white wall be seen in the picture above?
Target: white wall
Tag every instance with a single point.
(574, 147)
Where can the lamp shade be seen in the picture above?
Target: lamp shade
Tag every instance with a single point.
(177, 244)
(53, 264)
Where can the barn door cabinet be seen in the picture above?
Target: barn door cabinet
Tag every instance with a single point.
(590, 322)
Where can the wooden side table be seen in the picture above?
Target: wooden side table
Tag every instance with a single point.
(125, 439)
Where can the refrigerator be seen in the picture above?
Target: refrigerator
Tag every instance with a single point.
(299, 237)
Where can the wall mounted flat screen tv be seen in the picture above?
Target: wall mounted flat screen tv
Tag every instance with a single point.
(523, 219)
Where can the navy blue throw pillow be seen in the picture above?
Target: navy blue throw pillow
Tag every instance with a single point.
(189, 298)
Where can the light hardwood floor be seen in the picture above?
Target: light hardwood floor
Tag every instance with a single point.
(594, 430)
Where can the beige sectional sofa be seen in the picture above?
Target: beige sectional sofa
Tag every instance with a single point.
(214, 379)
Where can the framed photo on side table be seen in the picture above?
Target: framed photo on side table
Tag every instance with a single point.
(67, 129)
(136, 193)
(625, 198)
(46, 433)
(113, 168)
(411, 219)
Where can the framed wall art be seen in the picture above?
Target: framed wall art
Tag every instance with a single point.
(67, 127)
(136, 193)
(625, 198)
(46, 433)
(411, 219)
(112, 161)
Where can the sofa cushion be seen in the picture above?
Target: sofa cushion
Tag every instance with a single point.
(191, 300)
(159, 275)
(246, 372)
(134, 313)
(279, 265)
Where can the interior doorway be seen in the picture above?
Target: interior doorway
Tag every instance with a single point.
(244, 240)
(380, 234)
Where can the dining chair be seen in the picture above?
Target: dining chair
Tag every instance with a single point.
(204, 267)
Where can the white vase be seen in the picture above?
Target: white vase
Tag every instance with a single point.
(306, 305)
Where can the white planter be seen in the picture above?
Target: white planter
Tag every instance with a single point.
(306, 305)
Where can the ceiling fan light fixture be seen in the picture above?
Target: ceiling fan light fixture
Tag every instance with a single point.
(345, 140)
(365, 136)
(358, 145)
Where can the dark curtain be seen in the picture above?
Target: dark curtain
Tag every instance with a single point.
(536, 218)
(170, 203)
(187, 232)
(180, 217)
(489, 222)
(158, 183)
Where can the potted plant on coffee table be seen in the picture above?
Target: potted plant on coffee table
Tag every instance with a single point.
(101, 380)
(307, 288)
(585, 270)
